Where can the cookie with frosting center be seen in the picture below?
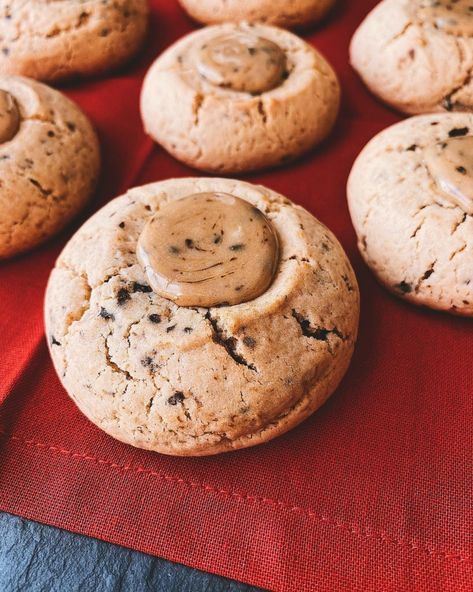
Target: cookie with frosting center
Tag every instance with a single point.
(49, 163)
(411, 200)
(417, 55)
(298, 13)
(55, 39)
(194, 379)
(239, 97)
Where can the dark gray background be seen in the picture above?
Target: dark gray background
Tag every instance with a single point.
(38, 558)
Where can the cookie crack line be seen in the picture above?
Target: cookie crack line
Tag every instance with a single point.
(428, 272)
(110, 363)
(318, 333)
(229, 343)
(356, 529)
(446, 101)
(197, 106)
(401, 34)
(459, 223)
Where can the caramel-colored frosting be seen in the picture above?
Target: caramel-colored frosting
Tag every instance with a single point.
(209, 249)
(9, 117)
(454, 17)
(451, 165)
(242, 62)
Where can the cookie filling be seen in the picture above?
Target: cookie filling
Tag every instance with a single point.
(452, 16)
(451, 165)
(9, 117)
(209, 249)
(242, 62)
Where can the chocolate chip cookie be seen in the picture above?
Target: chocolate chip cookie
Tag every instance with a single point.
(53, 39)
(273, 12)
(239, 97)
(417, 55)
(49, 163)
(411, 200)
(198, 316)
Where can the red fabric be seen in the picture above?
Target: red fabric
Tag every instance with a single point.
(373, 493)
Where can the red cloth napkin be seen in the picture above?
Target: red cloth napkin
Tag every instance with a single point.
(374, 492)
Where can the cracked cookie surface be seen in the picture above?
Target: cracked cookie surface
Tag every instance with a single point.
(213, 127)
(49, 163)
(55, 39)
(413, 234)
(413, 62)
(273, 12)
(197, 381)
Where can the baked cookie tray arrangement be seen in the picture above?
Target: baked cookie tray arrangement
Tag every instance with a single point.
(372, 492)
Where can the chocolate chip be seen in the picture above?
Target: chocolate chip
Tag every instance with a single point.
(456, 132)
(427, 274)
(237, 247)
(154, 318)
(148, 362)
(188, 329)
(318, 333)
(171, 328)
(122, 225)
(189, 243)
(44, 192)
(54, 341)
(141, 287)
(404, 287)
(176, 398)
(71, 126)
(106, 315)
(412, 148)
(461, 170)
(123, 296)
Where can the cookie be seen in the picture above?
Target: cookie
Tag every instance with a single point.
(49, 163)
(207, 375)
(232, 98)
(417, 55)
(411, 201)
(54, 39)
(273, 12)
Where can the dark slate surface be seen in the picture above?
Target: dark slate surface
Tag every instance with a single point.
(38, 558)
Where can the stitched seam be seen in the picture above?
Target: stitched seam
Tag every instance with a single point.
(360, 531)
